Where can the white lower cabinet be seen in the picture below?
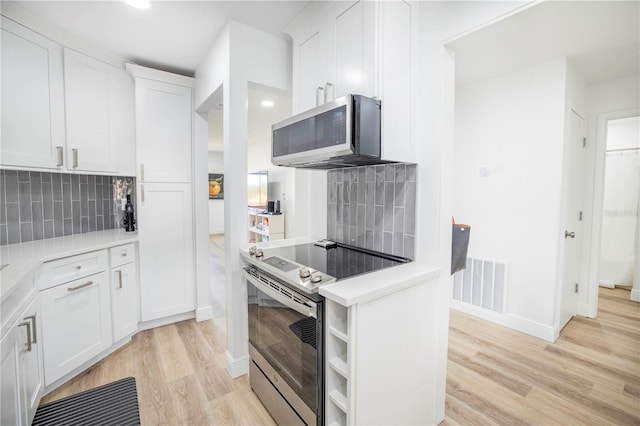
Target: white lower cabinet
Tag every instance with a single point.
(124, 292)
(9, 381)
(76, 324)
(370, 377)
(21, 375)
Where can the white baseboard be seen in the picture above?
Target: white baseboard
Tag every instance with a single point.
(635, 295)
(514, 322)
(164, 321)
(237, 366)
(204, 313)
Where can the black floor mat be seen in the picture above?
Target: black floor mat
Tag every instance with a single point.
(111, 404)
(305, 329)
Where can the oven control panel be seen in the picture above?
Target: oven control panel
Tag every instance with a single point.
(281, 264)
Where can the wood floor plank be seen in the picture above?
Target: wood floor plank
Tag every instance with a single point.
(214, 379)
(564, 411)
(172, 353)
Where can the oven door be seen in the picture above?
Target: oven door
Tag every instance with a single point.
(285, 332)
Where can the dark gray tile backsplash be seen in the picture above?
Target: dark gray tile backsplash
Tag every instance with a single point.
(373, 207)
(39, 205)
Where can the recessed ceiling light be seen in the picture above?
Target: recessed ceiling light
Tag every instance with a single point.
(267, 104)
(139, 4)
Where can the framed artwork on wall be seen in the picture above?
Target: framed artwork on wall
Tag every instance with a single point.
(216, 186)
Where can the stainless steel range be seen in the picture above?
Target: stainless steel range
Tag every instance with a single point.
(286, 330)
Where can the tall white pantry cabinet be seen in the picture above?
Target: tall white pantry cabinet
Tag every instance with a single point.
(164, 123)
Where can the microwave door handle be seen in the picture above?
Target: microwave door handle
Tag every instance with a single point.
(308, 311)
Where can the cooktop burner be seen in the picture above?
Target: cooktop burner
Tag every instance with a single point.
(342, 261)
(307, 266)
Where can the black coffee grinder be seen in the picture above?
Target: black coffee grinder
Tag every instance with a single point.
(129, 222)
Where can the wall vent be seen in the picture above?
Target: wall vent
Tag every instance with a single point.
(482, 284)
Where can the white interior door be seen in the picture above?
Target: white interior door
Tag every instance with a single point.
(573, 219)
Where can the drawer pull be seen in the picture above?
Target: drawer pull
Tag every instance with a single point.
(75, 157)
(60, 156)
(32, 318)
(79, 267)
(123, 253)
(119, 279)
(78, 287)
(28, 325)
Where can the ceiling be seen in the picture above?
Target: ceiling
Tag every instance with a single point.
(171, 35)
(259, 118)
(600, 38)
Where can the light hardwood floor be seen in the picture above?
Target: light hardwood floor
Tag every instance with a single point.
(589, 376)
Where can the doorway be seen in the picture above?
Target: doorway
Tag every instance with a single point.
(619, 243)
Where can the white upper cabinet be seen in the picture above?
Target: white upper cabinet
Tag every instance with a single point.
(351, 48)
(71, 112)
(164, 114)
(363, 47)
(90, 109)
(99, 115)
(33, 132)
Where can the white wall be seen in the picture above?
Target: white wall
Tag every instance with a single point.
(514, 125)
(216, 207)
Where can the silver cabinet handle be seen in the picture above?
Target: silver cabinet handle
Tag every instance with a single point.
(328, 92)
(568, 234)
(60, 156)
(78, 287)
(141, 171)
(119, 279)
(75, 157)
(32, 318)
(319, 95)
(142, 192)
(28, 325)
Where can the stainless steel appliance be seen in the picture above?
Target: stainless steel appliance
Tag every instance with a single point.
(342, 133)
(286, 314)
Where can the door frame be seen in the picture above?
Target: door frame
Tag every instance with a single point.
(598, 204)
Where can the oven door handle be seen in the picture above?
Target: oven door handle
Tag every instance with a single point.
(304, 309)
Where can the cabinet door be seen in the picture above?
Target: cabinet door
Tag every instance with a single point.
(125, 124)
(309, 70)
(76, 324)
(90, 113)
(9, 383)
(351, 43)
(165, 227)
(32, 98)
(30, 362)
(124, 300)
(164, 114)
(398, 82)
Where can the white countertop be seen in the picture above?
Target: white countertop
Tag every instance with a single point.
(365, 287)
(25, 258)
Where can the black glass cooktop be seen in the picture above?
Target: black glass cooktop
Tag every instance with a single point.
(341, 261)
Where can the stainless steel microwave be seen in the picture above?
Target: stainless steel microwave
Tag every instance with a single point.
(342, 133)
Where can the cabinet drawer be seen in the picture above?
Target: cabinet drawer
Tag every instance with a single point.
(121, 255)
(72, 268)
